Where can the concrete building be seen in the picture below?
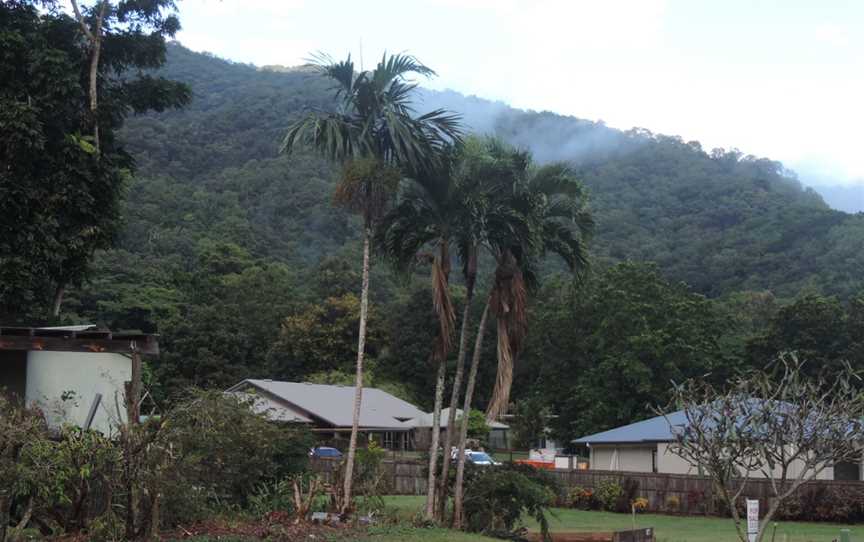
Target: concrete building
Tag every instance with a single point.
(72, 374)
(644, 447)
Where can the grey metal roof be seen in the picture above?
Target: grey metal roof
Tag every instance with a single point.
(274, 410)
(652, 430)
(335, 404)
(426, 420)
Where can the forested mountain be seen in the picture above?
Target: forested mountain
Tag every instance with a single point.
(849, 198)
(238, 257)
(717, 220)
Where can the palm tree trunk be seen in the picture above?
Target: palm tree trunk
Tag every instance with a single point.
(470, 281)
(504, 375)
(433, 445)
(358, 382)
(463, 429)
(58, 299)
(444, 309)
(5, 503)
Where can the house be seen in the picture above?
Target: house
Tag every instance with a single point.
(498, 433)
(328, 410)
(73, 374)
(644, 447)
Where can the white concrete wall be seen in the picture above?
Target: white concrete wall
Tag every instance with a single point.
(81, 375)
(637, 458)
(668, 462)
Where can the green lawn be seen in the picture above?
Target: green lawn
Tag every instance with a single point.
(667, 528)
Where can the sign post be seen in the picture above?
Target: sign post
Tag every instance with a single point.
(752, 519)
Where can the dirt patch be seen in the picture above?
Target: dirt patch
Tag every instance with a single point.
(574, 537)
(275, 527)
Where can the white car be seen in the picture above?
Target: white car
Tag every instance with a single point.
(479, 458)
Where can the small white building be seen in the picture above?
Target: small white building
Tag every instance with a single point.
(73, 374)
(644, 447)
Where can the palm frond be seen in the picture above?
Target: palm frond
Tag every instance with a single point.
(398, 66)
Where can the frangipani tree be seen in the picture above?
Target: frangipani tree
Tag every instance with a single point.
(778, 424)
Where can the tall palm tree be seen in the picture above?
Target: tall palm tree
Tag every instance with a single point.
(423, 219)
(536, 211)
(375, 135)
(443, 208)
(554, 204)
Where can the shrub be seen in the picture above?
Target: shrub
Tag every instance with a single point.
(696, 501)
(496, 499)
(369, 482)
(609, 493)
(74, 476)
(673, 503)
(276, 496)
(582, 498)
(227, 449)
(629, 493)
(824, 503)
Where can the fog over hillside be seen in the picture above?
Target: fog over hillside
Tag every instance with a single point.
(554, 137)
(843, 197)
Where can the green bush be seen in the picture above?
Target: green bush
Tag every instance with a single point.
(369, 482)
(276, 496)
(840, 504)
(581, 498)
(497, 498)
(609, 493)
(229, 450)
(74, 476)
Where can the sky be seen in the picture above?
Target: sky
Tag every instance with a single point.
(781, 79)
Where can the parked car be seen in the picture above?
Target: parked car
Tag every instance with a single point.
(476, 457)
(325, 452)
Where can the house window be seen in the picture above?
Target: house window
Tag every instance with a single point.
(389, 440)
(654, 460)
(845, 470)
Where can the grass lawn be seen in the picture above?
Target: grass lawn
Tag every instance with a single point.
(667, 528)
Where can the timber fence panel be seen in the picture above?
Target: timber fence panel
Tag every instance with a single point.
(668, 493)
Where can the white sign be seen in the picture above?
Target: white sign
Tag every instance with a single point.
(752, 519)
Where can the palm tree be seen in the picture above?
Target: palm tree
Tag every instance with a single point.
(425, 216)
(555, 206)
(537, 210)
(444, 207)
(374, 134)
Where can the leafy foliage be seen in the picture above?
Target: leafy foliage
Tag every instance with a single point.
(60, 193)
(498, 498)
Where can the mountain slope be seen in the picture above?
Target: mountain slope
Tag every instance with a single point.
(718, 220)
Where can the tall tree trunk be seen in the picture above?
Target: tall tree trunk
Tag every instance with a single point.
(503, 375)
(358, 380)
(449, 440)
(94, 36)
(5, 503)
(463, 428)
(443, 305)
(133, 393)
(133, 418)
(58, 300)
(509, 301)
(433, 445)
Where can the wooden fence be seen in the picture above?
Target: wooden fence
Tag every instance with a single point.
(668, 493)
